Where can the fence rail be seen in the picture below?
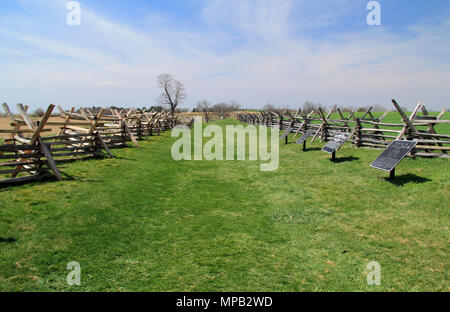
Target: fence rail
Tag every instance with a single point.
(28, 152)
(367, 130)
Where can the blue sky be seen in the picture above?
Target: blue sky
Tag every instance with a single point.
(252, 51)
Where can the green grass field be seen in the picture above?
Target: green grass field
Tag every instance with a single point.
(394, 117)
(144, 222)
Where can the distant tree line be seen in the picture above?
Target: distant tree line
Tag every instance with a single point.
(222, 109)
(38, 112)
(309, 106)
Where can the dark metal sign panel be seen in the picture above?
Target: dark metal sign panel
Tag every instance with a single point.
(336, 142)
(286, 133)
(393, 154)
(305, 136)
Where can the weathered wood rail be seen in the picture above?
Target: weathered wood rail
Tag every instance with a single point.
(366, 130)
(30, 153)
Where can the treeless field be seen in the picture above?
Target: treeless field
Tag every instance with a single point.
(5, 123)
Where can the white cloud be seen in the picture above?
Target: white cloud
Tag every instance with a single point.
(264, 18)
(252, 51)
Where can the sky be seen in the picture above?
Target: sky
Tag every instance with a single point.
(284, 52)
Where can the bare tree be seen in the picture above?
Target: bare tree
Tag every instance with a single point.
(38, 112)
(309, 106)
(205, 107)
(220, 108)
(173, 92)
(235, 106)
(378, 108)
(273, 108)
(270, 107)
(223, 109)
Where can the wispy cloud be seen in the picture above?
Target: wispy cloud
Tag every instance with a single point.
(252, 51)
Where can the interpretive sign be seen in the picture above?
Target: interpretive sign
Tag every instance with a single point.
(285, 134)
(305, 136)
(336, 142)
(393, 154)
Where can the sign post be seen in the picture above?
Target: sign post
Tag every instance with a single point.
(304, 137)
(285, 135)
(392, 174)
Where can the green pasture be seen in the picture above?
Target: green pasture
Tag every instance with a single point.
(144, 222)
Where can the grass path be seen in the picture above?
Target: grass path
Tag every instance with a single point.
(143, 222)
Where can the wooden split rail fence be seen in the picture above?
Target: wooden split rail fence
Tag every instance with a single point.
(28, 154)
(367, 130)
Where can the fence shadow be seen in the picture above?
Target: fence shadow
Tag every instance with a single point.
(8, 240)
(403, 179)
(72, 178)
(125, 158)
(45, 178)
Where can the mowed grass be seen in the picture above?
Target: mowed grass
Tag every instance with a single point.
(144, 222)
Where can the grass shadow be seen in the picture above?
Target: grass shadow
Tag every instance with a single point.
(313, 149)
(67, 176)
(72, 178)
(406, 178)
(8, 240)
(43, 178)
(125, 158)
(344, 159)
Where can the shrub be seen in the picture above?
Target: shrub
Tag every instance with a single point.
(39, 112)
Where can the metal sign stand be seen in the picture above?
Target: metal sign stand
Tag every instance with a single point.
(392, 174)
